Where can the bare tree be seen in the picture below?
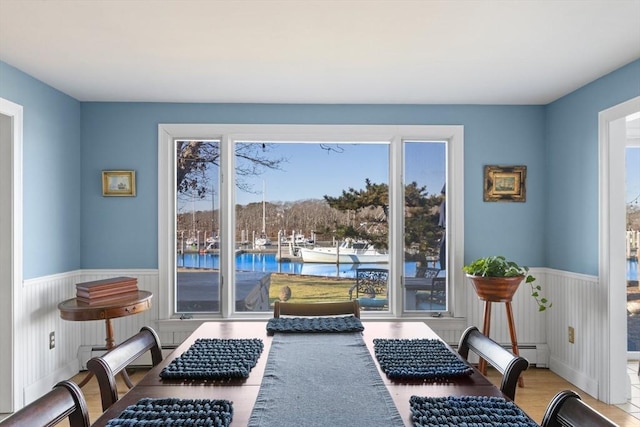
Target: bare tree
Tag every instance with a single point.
(196, 161)
(633, 217)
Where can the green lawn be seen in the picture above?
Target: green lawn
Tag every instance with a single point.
(310, 288)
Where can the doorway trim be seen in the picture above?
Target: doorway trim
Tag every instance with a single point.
(9, 325)
(613, 351)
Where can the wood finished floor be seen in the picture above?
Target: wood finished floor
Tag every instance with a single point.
(540, 385)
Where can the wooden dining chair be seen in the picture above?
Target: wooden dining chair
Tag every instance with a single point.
(507, 363)
(316, 308)
(107, 366)
(64, 401)
(567, 409)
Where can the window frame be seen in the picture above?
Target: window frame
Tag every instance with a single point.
(227, 134)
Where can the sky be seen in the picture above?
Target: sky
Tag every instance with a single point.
(311, 172)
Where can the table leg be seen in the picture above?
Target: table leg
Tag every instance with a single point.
(86, 379)
(514, 339)
(486, 326)
(111, 343)
(109, 333)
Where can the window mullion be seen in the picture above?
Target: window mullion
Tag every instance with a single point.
(396, 225)
(227, 225)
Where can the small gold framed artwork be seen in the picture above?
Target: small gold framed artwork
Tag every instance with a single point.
(505, 183)
(119, 183)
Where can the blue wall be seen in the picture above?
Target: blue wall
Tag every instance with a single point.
(572, 151)
(51, 167)
(122, 232)
(69, 225)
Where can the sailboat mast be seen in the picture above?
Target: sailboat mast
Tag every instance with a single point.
(264, 212)
(193, 216)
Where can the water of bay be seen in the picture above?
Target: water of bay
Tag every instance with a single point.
(267, 262)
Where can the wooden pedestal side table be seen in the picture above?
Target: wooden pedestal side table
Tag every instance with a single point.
(128, 305)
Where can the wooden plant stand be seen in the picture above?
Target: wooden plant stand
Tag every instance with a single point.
(497, 289)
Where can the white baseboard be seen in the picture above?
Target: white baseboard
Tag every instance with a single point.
(44, 385)
(585, 383)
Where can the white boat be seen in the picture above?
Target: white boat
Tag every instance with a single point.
(211, 246)
(298, 239)
(262, 241)
(349, 252)
(211, 243)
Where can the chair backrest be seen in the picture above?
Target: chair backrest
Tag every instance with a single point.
(507, 363)
(316, 308)
(64, 401)
(567, 409)
(107, 366)
(370, 283)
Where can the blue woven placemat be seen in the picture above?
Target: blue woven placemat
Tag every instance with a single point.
(315, 324)
(175, 412)
(426, 359)
(215, 359)
(480, 411)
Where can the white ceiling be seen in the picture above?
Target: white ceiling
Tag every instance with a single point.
(306, 51)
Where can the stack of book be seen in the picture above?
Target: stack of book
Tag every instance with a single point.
(106, 290)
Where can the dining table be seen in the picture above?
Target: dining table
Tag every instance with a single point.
(243, 392)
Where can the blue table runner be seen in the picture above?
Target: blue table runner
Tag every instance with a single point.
(316, 379)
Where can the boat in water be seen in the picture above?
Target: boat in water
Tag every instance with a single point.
(262, 241)
(349, 252)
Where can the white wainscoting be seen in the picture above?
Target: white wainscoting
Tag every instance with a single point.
(38, 315)
(541, 336)
(577, 301)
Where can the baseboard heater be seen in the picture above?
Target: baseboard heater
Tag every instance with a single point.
(85, 353)
(537, 354)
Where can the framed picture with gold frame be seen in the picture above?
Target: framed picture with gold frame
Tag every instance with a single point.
(119, 183)
(505, 183)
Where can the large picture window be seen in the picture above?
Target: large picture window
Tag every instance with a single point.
(258, 213)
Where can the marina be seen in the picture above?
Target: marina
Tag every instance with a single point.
(267, 262)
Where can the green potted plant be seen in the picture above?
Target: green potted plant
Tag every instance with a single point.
(496, 279)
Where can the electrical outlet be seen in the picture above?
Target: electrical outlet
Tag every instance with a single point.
(52, 340)
(572, 334)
